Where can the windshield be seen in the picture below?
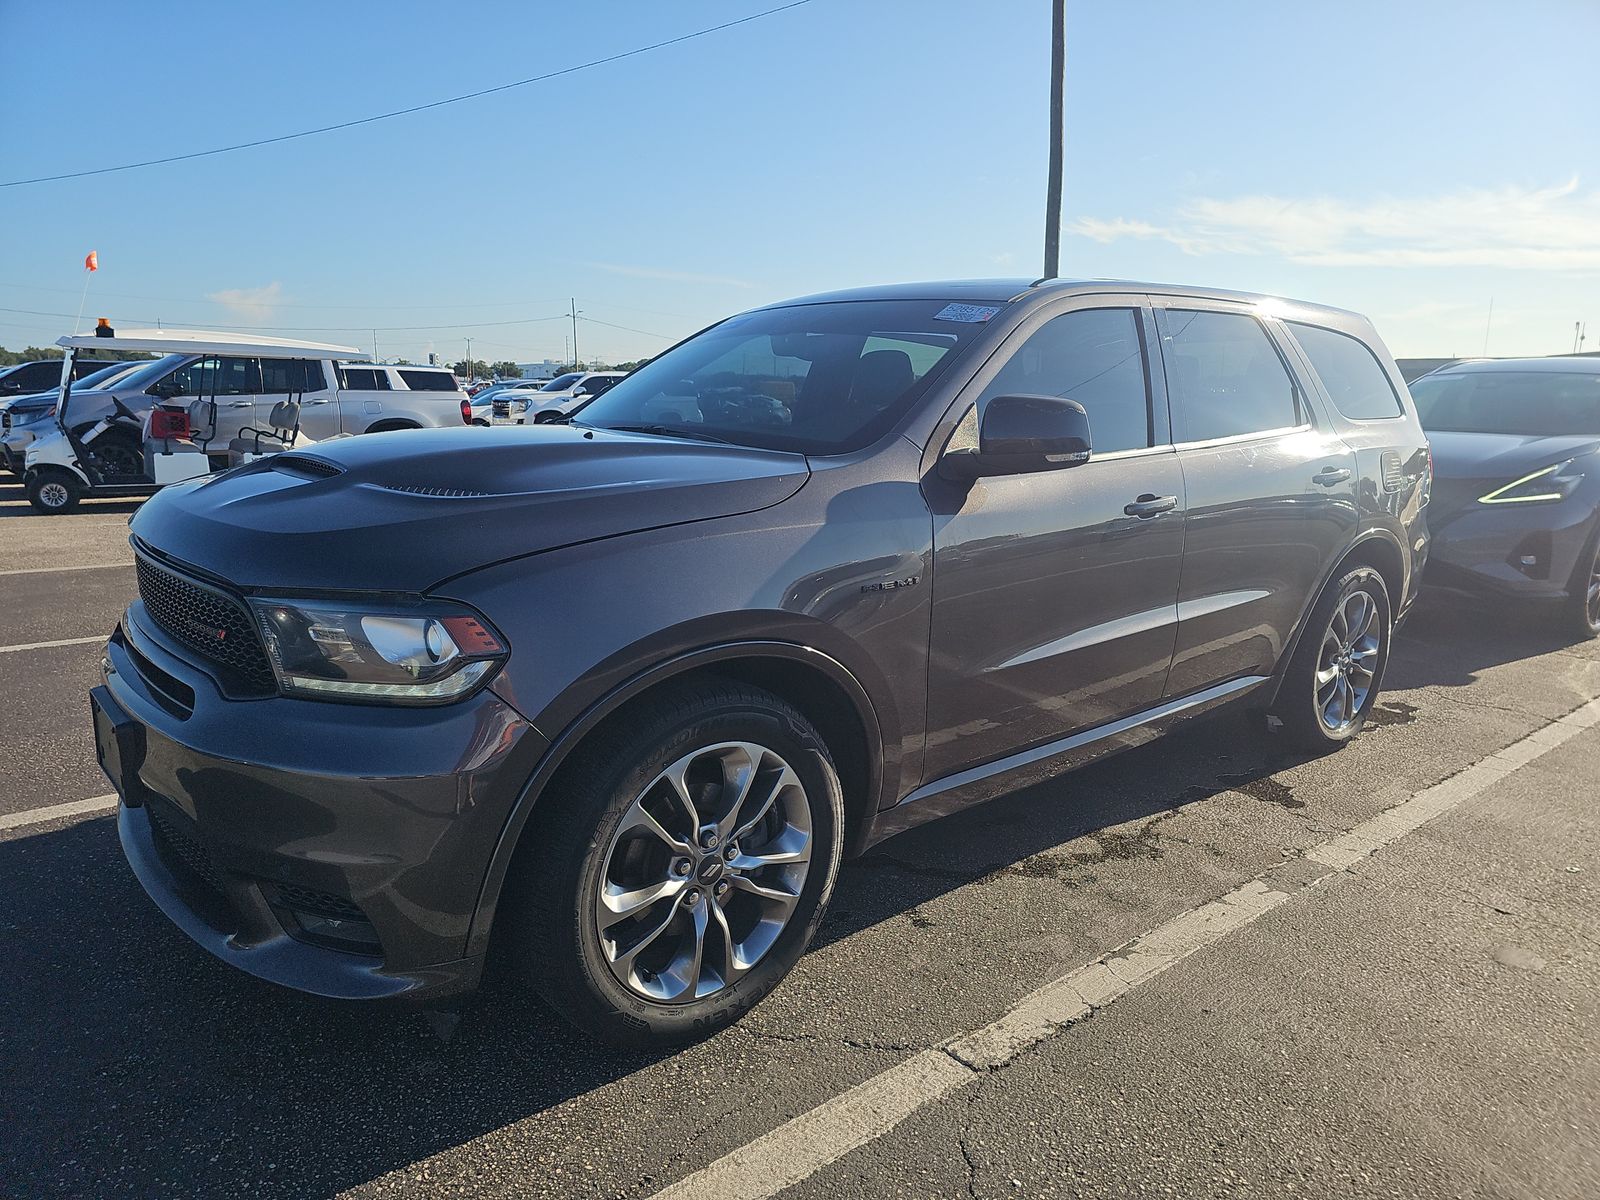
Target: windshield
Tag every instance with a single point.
(1537, 403)
(562, 382)
(813, 378)
(148, 373)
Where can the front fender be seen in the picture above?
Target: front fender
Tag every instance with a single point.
(642, 680)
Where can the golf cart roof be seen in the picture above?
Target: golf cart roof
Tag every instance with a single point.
(200, 341)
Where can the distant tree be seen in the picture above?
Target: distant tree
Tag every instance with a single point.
(402, 362)
(10, 358)
(505, 370)
(476, 369)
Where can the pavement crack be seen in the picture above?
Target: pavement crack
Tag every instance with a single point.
(772, 1035)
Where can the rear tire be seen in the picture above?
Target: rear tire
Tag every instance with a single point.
(1333, 679)
(53, 490)
(733, 899)
(1582, 607)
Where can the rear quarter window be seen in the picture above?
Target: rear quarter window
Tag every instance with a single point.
(1350, 372)
(429, 381)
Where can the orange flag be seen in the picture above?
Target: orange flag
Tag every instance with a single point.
(91, 261)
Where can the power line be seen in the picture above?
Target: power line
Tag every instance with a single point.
(415, 108)
(333, 328)
(625, 328)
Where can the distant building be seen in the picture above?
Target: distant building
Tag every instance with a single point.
(548, 369)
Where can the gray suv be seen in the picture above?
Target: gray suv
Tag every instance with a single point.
(618, 696)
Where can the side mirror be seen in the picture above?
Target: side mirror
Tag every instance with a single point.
(1018, 435)
(165, 389)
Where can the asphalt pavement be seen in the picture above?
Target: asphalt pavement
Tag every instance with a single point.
(1420, 1022)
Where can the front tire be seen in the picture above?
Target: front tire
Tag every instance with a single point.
(682, 869)
(1333, 679)
(1583, 597)
(52, 490)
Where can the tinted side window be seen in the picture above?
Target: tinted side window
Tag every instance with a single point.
(1352, 374)
(280, 376)
(364, 379)
(1096, 357)
(1225, 376)
(207, 377)
(35, 377)
(429, 381)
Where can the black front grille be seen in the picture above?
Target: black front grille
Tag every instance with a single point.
(209, 622)
(180, 847)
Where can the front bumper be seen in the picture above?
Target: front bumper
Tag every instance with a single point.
(14, 448)
(1527, 552)
(338, 849)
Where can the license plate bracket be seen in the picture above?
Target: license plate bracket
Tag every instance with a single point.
(119, 744)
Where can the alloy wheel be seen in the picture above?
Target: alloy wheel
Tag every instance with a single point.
(1347, 661)
(1591, 600)
(704, 871)
(54, 495)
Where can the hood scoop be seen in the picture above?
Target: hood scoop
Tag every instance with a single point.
(305, 465)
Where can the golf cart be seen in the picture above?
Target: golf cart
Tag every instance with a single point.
(113, 443)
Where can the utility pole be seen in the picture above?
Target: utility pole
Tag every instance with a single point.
(1058, 70)
(470, 376)
(1488, 325)
(374, 345)
(573, 301)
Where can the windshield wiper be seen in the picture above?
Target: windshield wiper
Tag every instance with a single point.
(692, 435)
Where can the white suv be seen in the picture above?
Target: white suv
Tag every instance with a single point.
(558, 398)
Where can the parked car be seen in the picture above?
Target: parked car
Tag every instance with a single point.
(551, 401)
(1516, 509)
(26, 379)
(23, 418)
(97, 445)
(623, 693)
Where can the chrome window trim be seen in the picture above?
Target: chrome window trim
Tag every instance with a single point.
(1236, 438)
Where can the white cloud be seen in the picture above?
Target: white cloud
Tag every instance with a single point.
(1547, 229)
(671, 276)
(257, 303)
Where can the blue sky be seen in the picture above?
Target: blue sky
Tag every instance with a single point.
(1412, 161)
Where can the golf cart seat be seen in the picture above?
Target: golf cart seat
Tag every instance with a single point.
(202, 421)
(283, 426)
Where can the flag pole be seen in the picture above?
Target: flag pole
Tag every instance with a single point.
(91, 264)
(83, 299)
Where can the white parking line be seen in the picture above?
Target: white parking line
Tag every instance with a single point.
(73, 808)
(83, 641)
(805, 1144)
(77, 567)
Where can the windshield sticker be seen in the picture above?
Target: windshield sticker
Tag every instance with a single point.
(967, 314)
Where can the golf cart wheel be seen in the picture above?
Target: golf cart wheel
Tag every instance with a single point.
(118, 455)
(52, 490)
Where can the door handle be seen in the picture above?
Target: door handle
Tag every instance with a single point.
(1148, 505)
(1329, 476)
(241, 403)
(309, 403)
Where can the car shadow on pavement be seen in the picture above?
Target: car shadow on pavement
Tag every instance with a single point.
(1448, 640)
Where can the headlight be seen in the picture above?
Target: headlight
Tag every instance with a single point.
(1542, 486)
(422, 653)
